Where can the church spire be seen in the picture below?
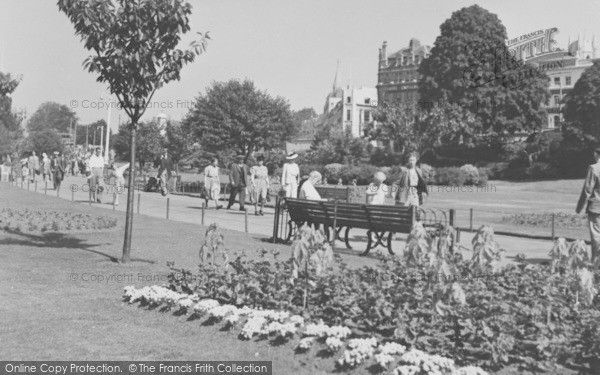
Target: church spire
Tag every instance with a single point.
(336, 79)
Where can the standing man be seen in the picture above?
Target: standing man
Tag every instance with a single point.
(260, 183)
(165, 170)
(58, 169)
(590, 199)
(239, 177)
(34, 166)
(97, 177)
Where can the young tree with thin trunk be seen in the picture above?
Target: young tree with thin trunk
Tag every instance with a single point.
(134, 45)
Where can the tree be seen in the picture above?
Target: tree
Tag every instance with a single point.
(148, 146)
(177, 141)
(45, 140)
(11, 134)
(581, 129)
(470, 66)
(134, 45)
(235, 115)
(395, 127)
(302, 115)
(582, 104)
(52, 115)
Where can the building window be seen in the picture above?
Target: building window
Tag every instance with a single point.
(556, 121)
(405, 60)
(557, 81)
(556, 100)
(349, 100)
(417, 59)
(567, 80)
(368, 101)
(348, 115)
(367, 116)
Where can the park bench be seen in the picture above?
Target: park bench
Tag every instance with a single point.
(380, 222)
(340, 194)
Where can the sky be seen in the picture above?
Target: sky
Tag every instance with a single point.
(288, 48)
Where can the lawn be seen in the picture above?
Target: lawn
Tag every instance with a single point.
(62, 293)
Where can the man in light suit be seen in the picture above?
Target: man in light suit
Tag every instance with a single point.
(590, 199)
(239, 177)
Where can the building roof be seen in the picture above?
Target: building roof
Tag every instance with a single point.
(414, 47)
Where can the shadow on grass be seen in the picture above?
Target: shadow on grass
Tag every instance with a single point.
(540, 261)
(50, 240)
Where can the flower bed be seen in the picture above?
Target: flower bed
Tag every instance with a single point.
(52, 221)
(561, 220)
(283, 326)
(520, 317)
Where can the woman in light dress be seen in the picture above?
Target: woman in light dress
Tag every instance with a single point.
(46, 169)
(290, 176)
(377, 190)
(212, 183)
(410, 189)
(259, 177)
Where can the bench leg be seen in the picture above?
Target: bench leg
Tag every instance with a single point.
(346, 238)
(369, 242)
(389, 243)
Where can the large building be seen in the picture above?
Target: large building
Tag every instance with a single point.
(398, 76)
(355, 103)
(564, 69)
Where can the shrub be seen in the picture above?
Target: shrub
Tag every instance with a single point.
(428, 173)
(483, 177)
(472, 174)
(495, 171)
(333, 172)
(363, 174)
(450, 176)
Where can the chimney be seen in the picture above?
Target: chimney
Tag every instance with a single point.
(383, 55)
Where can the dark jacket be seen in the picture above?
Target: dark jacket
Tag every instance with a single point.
(166, 163)
(400, 188)
(239, 176)
(590, 194)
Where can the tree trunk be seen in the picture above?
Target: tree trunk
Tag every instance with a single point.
(130, 195)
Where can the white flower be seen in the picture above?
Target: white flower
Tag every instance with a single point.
(186, 303)
(305, 343)
(319, 329)
(430, 363)
(205, 305)
(339, 332)
(469, 370)
(253, 326)
(392, 348)
(361, 349)
(333, 344)
(219, 312)
(383, 359)
(297, 320)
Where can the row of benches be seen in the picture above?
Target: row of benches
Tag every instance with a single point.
(381, 222)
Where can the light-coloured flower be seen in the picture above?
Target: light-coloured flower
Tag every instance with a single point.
(205, 305)
(469, 370)
(305, 343)
(333, 344)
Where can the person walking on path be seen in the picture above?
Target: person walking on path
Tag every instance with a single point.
(212, 183)
(165, 170)
(259, 176)
(239, 177)
(97, 177)
(590, 200)
(410, 189)
(58, 169)
(117, 173)
(46, 167)
(34, 166)
(290, 176)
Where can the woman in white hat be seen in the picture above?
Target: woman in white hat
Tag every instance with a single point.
(290, 176)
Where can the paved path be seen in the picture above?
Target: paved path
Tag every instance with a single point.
(189, 209)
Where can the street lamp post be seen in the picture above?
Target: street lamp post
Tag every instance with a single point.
(107, 147)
